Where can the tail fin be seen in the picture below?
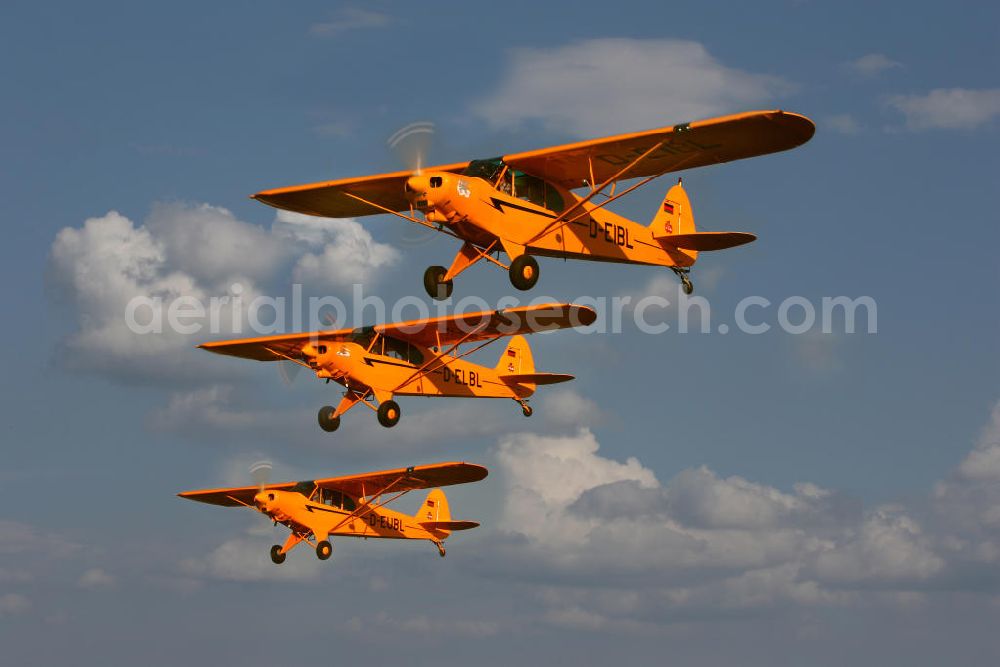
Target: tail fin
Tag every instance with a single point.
(673, 226)
(516, 359)
(435, 508)
(675, 215)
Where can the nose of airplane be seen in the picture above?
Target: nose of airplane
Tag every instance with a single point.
(417, 186)
(261, 499)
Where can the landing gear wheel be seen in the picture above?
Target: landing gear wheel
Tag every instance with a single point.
(436, 287)
(323, 549)
(524, 272)
(276, 556)
(526, 409)
(687, 285)
(327, 421)
(440, 547)
(388, 413)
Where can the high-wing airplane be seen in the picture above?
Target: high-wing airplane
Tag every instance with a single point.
(419, 358)
(523, 204)
(353, 506)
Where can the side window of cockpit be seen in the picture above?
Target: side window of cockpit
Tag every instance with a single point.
(537, 191)
(349, 503)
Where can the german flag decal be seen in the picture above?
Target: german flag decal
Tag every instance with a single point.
(668, 207)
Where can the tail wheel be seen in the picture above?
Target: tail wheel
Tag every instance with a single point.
(388, 413)
(323, 549)
(441, 550)
(524, 272)
(526, 409)
(327, 421)
(435, 284)
(687, 284)
(276, 556)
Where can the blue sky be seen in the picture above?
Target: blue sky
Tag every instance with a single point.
(834, 493)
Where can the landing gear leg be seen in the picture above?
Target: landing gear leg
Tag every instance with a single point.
(686, 283)
(525, 408)
(440, 547)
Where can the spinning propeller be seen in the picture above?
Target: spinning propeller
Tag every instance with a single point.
(411, 144)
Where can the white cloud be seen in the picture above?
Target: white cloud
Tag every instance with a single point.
(872, 64)
(948, 108)
(201, 253)
(700, 499)
(888, 548)
(349, 253)
(607, 86)
(983, 462)
(206, 409)
(96, 578)
(209, 244)
(620, 551)
(565, 407)
(349, 19)
(246, 558)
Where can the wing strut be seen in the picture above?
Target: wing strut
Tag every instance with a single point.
(366, 508)
(561, 218)
(426, 370)
(403, 215)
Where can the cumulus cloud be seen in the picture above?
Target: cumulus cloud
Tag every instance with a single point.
(948, 108)
(196, 265)
(349, 253)
(246, 558)
(872, 64)
(643, 83)
(702, 543)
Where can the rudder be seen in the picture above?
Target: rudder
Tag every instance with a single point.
(435, 508)
(675, 215)
(516, 359)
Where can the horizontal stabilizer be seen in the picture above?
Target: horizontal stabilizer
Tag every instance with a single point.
(536, 378)
(448, 525)
(707, 240)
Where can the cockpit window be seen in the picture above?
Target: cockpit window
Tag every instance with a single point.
(537, 191)
(487, 170)
(335, 498)
(522, 185)
(403, 351)
(363, 336)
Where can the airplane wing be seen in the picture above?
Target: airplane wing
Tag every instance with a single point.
(357, 486)
(232, 497)
(471, 327)
(688, 145)
(273, 348)
(405, 479)
(331, 199)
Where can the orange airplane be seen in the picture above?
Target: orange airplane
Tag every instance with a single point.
(419, 358)
(523, 204)
(353, 506)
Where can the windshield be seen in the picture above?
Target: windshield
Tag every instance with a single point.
(487, 170)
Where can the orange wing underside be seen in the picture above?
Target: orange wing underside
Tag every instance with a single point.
(401, 479)
(464, 328)
(684, 146)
